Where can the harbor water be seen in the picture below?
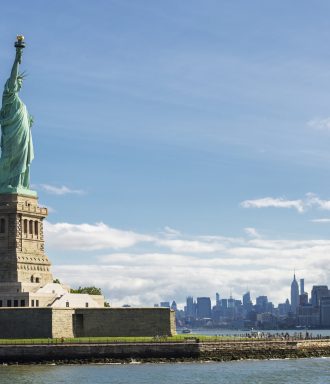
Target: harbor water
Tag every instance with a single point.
(293, 371)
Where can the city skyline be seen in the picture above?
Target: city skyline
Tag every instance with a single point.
(303, 311)
(301, 289)
(187, 144)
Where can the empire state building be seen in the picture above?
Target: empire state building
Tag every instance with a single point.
(294, 295)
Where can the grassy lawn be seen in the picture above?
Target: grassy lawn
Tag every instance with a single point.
(177, 338)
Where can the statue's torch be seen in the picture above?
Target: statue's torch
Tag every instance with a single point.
(19, 45)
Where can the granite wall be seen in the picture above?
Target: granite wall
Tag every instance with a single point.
(18, 323)
(124, 322)
(25, 323)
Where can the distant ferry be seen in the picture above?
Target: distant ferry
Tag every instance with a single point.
(186, 330)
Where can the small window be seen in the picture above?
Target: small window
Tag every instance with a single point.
(8, 303)
(15, 303)
(37, 280)
(31, 279)
(25, 226)
(0, 303)
(30, 227)
(37, 303)
(86, 305)
(22, 303)
(32, 303)
(2, 225)
(67, 304)
(36, 228)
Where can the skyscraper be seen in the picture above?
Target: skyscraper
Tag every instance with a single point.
(203, 307)
(190, 307)
(217, 299)
(294, 295)
(224, 303)
(325, 311)
(247, 300)
(261, 304)
(302, 286)
(318, 291)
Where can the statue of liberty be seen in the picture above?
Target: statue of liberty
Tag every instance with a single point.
(16, 139)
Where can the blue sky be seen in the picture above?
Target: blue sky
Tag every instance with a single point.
(182, 147)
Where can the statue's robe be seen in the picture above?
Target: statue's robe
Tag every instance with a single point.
(16, 140)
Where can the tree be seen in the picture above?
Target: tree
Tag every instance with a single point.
(88, 290)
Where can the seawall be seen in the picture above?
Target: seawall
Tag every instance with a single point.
(164, 351)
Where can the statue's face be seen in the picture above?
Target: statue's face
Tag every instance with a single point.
(19, 83)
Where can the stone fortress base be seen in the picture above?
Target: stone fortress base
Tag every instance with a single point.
(33, 306)
(23, 323)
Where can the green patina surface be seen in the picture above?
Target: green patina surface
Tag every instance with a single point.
(16, 138)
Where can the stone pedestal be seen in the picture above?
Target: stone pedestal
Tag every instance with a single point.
(25, 277)
(23, 263)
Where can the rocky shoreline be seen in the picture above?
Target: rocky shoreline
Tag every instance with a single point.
(125, 353)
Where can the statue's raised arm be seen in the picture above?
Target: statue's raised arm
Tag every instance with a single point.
(14, 71)
(16, 139)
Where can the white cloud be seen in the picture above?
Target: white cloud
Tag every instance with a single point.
(63, 190)
(252, 232)
(88, 237)
(325, 220)
(190, 246)
(314, 200)
(147, 278)
(268, 202)
(311, 200)
(188, 265)
(320, 124)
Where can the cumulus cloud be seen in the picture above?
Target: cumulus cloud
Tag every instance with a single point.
(190, 246)
(311, 200)
(87, 237)
(148, 278)
(60, 191)
(267, 202)
(152, 268)
(322, 124)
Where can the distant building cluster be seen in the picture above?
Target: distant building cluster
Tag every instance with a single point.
(301, 311)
